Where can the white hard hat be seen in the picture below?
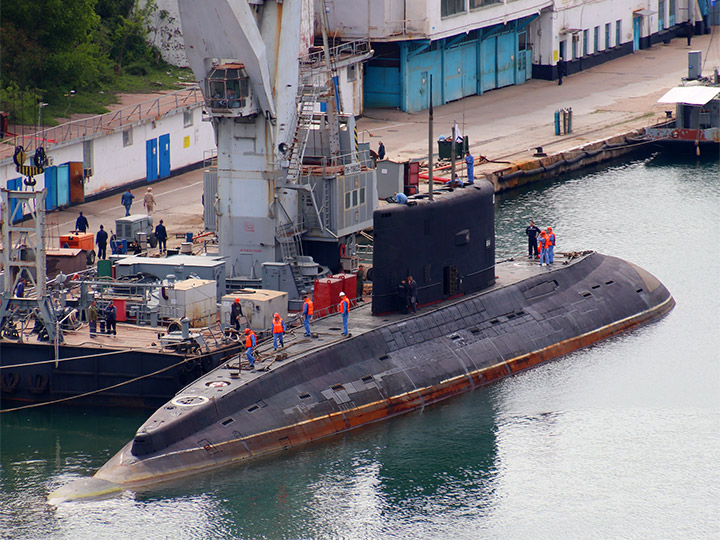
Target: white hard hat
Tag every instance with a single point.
(342, 293)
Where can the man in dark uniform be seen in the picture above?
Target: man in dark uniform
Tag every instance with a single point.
(532, 231)
(235, 314)
(111, 319)
(101, 241)
(161, 235)
(81, 223)
(360, 283)
(412, 293)
(403, 296)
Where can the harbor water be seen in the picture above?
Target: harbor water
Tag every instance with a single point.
(619, 440)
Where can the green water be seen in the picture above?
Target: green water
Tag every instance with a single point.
(619, 440)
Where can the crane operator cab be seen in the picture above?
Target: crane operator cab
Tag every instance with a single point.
(227, 91)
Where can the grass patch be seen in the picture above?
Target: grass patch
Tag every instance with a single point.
(135, 79)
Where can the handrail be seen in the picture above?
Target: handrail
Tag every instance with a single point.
(103, 123)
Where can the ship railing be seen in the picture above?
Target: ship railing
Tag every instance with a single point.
(333, 309)
(315, 60)
(103, 124)
(210, 158)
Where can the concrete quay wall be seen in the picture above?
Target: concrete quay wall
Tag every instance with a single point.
(541, 168)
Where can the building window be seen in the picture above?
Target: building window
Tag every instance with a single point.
(187, 118)
(451, 7)
(575, 40)
(607, 36)
(127, 137)
(586, 38)
(354, 198)
(618, 33)
(596, 39)
(671, 13)
(661, 15)
(483, 3)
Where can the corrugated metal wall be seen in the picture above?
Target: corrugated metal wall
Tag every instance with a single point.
(461, 66)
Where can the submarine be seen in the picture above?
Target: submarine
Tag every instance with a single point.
(477, 322)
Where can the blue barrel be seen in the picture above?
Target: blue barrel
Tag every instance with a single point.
(557, 122)
(188, 237)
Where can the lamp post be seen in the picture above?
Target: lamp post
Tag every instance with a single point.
(41, 106)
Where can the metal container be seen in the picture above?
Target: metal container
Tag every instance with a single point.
(258, 306)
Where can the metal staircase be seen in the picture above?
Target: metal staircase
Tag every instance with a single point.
(306, 100)
(288, 236)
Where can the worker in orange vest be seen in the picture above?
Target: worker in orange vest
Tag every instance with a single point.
(250, 342)
(551, 247)
(307, 314)
(344, 308)
(278, 330)
(543, 243)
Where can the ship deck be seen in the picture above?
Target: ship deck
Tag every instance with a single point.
(130, 337)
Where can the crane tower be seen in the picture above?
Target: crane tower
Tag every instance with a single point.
(287, 158)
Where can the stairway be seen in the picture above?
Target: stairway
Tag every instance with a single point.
(306, 99)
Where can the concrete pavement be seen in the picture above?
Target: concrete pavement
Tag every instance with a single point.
(503, 124)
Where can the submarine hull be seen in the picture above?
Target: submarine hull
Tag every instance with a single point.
(391, 366)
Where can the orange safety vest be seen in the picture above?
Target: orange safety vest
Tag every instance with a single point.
(248, 339)
(543, 241)
(278, 325)
(309, 304)
(346, 307)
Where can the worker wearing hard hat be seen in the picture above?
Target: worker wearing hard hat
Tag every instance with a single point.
(235, 314)
(250, 342)
(307, 313)
(278, 331)
(344, 308)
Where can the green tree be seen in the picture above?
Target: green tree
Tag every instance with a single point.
(50, 47)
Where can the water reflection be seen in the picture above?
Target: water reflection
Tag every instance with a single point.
(615, 441)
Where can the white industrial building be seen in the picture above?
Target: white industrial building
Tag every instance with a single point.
(469, 47)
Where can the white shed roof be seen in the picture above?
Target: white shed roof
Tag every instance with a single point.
(690, 95)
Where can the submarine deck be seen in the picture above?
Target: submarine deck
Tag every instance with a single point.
(328, 330)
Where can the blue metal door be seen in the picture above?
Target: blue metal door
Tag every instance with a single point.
(522, 61)
(382, 87)
(453, 74)
(151, 159)
(63, 185)
(14, 184)
(469, 69)
(51, 186)
(636, 33)
(165, 155)
(488, 64)
(505, 60)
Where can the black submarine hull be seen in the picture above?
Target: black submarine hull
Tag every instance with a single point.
(391, 366)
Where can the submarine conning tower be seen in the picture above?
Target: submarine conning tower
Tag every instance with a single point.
(447, 244)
